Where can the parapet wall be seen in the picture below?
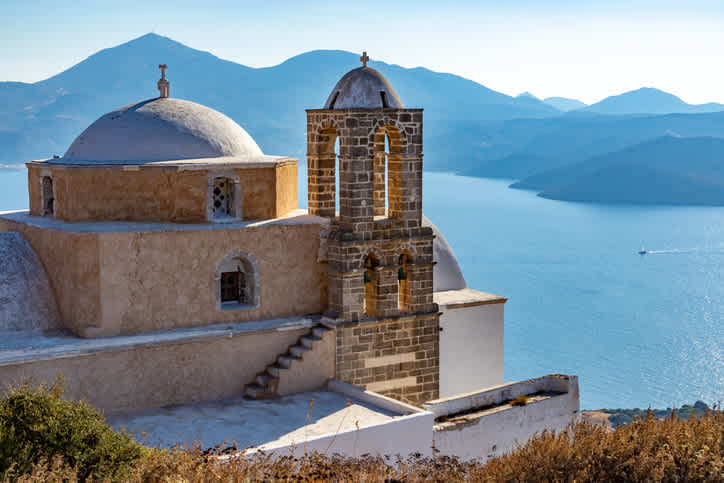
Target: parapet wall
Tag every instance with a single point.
(483, 424)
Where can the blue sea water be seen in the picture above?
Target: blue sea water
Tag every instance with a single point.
(638, 330)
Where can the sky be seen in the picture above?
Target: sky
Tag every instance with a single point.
(580, 49)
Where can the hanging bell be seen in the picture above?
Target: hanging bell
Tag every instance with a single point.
(401, 275)
(367, 277)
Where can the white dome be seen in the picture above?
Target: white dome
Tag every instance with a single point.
(363, 88)
(161, 129)
(447, 274)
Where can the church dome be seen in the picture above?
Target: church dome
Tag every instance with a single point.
(160, 129)
(363, 88)
(447, 274)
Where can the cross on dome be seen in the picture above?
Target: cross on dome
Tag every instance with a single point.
(364, 59)
(163, 84)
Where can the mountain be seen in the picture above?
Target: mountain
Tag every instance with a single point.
(667, 170)
(648, 100)
(564, 104)
(41, 119)
(522, 148)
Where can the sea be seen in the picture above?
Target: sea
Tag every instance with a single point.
(638, 330)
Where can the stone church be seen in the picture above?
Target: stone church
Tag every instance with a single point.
(170, 262)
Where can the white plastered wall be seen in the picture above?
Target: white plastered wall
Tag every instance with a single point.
(471, 341)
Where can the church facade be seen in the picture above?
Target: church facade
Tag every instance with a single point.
(165, 221)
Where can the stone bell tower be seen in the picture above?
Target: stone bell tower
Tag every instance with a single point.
(380, 258)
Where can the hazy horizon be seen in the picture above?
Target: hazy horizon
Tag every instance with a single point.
(550, 48)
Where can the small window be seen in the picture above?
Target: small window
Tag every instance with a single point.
(233, 287)
(47, 197)
(223, 198)
(383, 96)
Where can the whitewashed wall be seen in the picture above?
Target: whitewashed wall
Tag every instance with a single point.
(471, 342)
(493, 431)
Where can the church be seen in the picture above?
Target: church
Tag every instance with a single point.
(164, 261)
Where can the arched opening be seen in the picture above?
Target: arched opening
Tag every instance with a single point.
(47, 198)
(404, 284)
(387, 172)
(323, 173)
(370, 280)
(237, 282)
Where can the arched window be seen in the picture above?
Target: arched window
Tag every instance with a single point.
(387, 172)
(47, 196)
(404, 284)
(237, 282)
(370, 280)
(223, 197)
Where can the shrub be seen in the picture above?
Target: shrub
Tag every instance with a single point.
(521, 400)
(38, 426)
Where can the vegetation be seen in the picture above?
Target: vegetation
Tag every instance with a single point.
(38, 426)
(45, 438)
(620, 417)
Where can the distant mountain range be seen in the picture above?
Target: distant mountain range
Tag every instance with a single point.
(41, 119)
(469, 128)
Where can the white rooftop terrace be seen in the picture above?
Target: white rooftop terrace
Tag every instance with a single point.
(339, 418)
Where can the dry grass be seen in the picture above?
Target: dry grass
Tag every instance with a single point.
(649, 449)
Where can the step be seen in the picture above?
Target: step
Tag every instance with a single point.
(286, 360)
(298, 350)
(309, 340)
(319, 331)
(275, 370)
(255, 391)
(264, 379)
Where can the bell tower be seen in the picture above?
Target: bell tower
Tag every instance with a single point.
(380, 258)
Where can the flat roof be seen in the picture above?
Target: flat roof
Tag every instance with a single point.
(294, 217)
(466, 297)
(253, 423)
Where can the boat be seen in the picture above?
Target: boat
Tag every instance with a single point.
(642, 251)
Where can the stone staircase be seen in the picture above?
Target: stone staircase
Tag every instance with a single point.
(305, 366)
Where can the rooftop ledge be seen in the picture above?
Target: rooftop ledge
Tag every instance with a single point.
(30, 346)
(466, 297)
(263, 161)
(294, 217)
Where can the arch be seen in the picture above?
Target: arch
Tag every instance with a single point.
(387, 171)
(323, 172)
(404, 281)
(47, 196)
(223, 197)
(237, 282)
(371, 263)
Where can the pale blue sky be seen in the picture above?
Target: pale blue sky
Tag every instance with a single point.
(581, 49)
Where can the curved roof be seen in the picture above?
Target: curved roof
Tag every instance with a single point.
(363, 88)
(447, 274)
(161, 129)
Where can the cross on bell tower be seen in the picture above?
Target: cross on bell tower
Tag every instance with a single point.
(163, 84)
(365, 58)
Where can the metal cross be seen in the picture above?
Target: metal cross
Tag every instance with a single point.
(163, 68)
(364, 59)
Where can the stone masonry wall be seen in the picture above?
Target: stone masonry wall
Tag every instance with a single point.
(395, 357)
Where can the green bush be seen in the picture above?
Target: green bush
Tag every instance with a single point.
(37, 424)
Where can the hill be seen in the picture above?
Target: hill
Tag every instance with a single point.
(522, 148)
(41, 119)
(564, 104)
(648, 100)
(667, 170)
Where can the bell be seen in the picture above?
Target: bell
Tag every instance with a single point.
(401, 275)
(367, 277)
